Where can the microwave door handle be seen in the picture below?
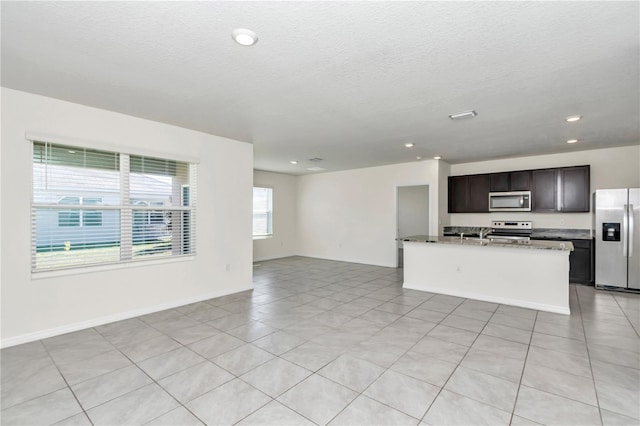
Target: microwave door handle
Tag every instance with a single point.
(625, 230)
(522, 201)
(630, 226)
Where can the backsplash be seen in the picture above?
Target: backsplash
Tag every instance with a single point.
(540, 220)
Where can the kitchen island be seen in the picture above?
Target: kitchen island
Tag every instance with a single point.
(530, 274)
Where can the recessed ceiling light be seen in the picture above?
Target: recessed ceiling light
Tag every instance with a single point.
(244, 37)
(463, 114)
(293, 162)
(572, 141)
(409, 145)
(418, 158)
(573, 118)
(71, 152)
(437, 157)
(315, 169)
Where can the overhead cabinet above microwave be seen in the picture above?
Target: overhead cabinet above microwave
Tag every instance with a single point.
(564, 189)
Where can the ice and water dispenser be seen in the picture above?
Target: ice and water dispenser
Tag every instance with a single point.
(611, 231)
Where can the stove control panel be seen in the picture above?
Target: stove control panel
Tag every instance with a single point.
(503, 224)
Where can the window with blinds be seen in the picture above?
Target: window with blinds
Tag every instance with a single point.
(92, 207)
(262, 212)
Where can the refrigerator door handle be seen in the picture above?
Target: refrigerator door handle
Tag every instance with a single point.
(625, 230)
(630, 220)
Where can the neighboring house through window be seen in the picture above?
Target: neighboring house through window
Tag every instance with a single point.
(262, 212)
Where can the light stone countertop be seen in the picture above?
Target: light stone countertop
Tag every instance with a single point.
(492, 242)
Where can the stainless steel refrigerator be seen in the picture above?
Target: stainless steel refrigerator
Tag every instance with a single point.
(617, 226)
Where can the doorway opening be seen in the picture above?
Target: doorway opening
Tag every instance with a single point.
(412, 213)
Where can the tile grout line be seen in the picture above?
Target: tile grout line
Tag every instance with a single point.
(524, 366)
(67, 383)
(460, 362)
(586, 341)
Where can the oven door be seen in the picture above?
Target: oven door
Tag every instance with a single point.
(519, 201)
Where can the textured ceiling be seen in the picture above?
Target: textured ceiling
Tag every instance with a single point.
(349, 82)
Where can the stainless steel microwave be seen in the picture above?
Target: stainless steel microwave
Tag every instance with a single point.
(515, 201)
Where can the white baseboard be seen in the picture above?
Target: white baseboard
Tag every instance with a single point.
(493, 299)
(94, 322)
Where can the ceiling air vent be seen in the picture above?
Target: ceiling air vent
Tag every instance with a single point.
(315, 159)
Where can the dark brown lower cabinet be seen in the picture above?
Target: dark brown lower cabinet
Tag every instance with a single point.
(581, 260)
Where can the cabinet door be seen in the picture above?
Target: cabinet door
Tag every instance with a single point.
(478, 193)
(574, 189)
(544, 190)
(499, 182)
(520, 181)
(457, 194)
(580, 262)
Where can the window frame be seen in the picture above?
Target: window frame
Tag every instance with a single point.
(269, 214)
(131, 261)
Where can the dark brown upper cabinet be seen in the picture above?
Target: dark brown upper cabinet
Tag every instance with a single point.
(520, 181)
(500, 182)
(544, 190)
(574, 189)
(511, 181)
(478, 193)
(565, 189)
(469, 194)
(458, 189)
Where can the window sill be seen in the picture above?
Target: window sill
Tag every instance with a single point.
(262, 237)
(108, 267)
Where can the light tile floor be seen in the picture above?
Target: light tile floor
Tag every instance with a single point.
(332, 342)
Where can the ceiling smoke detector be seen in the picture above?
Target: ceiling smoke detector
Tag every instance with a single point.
(463, 115)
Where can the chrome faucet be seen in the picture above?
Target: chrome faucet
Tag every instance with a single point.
(483, 234)
(461, 236)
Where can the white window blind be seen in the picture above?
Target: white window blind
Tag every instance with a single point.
(92, 207)
(262, 212)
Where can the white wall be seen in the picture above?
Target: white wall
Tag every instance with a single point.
(283, 242)
(35, 308)
(351, 215)
(610, 168)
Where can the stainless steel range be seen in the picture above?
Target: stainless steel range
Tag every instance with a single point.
(512, 231)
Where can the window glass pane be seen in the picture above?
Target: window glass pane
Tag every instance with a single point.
(157, 182)
(73, 156)
(77, 207)
(262, 215)
(60, 244)
(60, 179)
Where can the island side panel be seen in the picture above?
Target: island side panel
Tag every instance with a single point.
(530, 278)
